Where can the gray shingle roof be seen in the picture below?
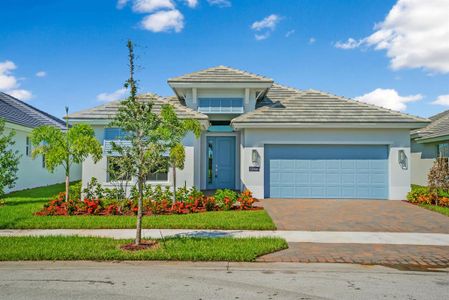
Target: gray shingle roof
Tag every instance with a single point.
(287, 105)
(221, 74)
(108, 110)
(438, 128)
(17, 112)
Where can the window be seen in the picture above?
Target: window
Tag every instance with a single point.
(111, 134)
(220, 105)
(114, 170)
(161, 174)
(443, 150)
(43, 161)
(28, 146)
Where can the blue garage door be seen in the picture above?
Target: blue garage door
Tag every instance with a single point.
(326, 171)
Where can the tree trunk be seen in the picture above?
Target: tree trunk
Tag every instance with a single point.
(67, 182)
(174, 184)
(139, 212)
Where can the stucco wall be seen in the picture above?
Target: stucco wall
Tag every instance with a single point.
(31, 173)
(396, 139)
(423, 156)
(185, 176)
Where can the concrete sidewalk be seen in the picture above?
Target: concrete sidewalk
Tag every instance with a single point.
(328, 237)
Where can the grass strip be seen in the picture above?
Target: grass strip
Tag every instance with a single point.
(91, 248)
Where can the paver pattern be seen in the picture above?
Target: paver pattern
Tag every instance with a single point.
(354, 215)
(373, 254)
(357, 216)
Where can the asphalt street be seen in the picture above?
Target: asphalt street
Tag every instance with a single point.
(219, 280)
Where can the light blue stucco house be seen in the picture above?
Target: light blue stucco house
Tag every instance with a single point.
(428, 143)
(277, 141)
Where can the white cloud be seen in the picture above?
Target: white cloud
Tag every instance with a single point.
(388, 98)
(9, 83)
(442, 100)
(20, 94)
(220, 3)
(312, 40)
(107, 97)
(121, 3)
(269, 22)
(191, 3)
(265, 26)
(289, 33)
(164, 21)
(41, 74)
(415, 34)
(262, 36)
(349, 44)
(147, 6)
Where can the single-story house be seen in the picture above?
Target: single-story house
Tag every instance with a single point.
(22, 118)
(427, 144)
(277, 141)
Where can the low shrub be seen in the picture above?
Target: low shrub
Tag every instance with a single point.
(156, 202)
(225, 199)
(424, 195)
(246, 200)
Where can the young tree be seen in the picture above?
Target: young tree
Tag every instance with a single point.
(438, 177)
(9, 160)
(144, 151)
(63, 148)
(174, 130)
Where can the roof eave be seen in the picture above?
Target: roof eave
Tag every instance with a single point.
(425, 140)
(399, 125)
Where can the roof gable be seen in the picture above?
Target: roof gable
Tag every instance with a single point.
(18, 112)
(109, 110)
(221, 74)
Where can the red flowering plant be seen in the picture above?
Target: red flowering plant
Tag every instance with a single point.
(246, 200)
(190, 201)
(179, 208)
(209, 203)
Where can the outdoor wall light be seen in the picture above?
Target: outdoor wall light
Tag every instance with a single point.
(255, 157)
(402, 159)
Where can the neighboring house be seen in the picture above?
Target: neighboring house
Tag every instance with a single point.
(277, 141)
(427, 144)
(22, 118)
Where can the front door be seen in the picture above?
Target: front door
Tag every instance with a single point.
(220, 162)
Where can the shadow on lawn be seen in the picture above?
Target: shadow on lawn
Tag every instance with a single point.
(205, 234)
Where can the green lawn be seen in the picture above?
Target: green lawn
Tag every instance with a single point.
(439, 209)
(18, 213)
(87, 248)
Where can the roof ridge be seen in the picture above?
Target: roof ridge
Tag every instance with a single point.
(244, 72)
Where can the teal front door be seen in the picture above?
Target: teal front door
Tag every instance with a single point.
(220, 162)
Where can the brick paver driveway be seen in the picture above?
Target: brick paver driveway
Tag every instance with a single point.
(358, 215)
(353, 215)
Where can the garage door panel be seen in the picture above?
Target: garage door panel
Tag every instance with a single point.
(326, 171)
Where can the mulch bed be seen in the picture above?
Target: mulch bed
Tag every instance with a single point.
(144, 245)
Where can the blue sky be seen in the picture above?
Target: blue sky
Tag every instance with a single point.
(58, 52)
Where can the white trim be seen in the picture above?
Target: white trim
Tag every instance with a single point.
(194, 95)
(247, 96)
(328, 125)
